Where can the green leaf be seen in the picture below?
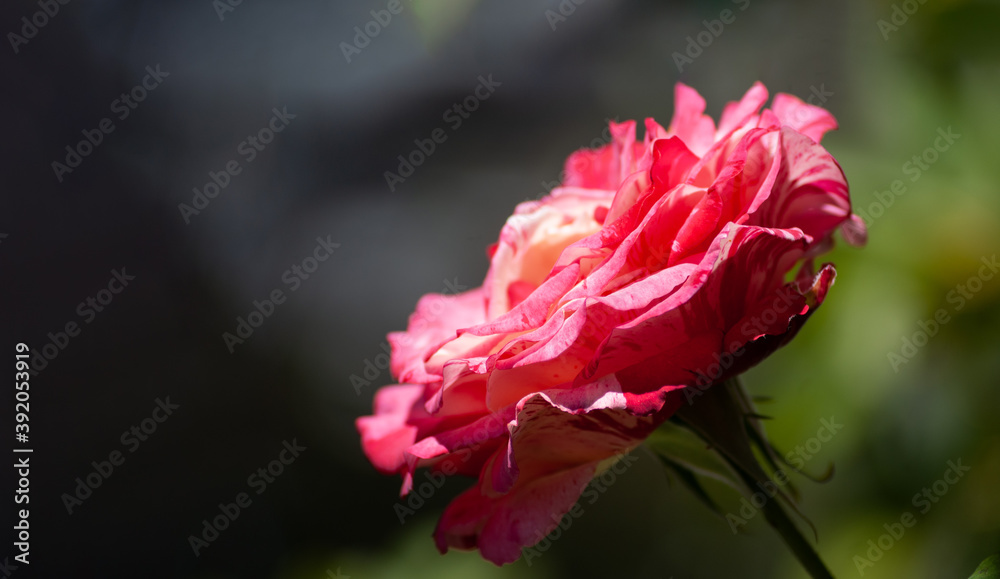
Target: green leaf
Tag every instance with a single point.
(682, 447)
(691, 481)
(724, 417)
(718, 416)
(988, 569)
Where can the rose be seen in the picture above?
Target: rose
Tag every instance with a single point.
(655, 265)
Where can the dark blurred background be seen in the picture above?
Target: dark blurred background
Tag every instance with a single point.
(348, 105)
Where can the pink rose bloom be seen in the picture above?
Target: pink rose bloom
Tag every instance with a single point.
(658, 266)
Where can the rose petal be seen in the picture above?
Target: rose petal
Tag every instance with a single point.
(811, 121)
